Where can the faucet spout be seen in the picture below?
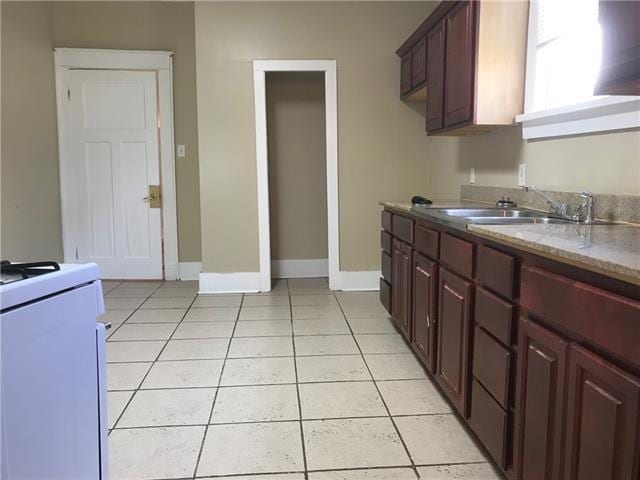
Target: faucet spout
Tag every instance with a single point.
(558, 208)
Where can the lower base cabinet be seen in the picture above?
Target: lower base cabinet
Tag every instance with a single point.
(425, 291)
(489, 422)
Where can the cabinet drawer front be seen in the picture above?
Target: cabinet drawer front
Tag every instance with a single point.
(387, 221)
(496, 271)
(491, 366)
(494, 315)
(458, 254)
(600, 317)
(403, 228)
(426, 241)
(385, 295)
(489, 422)
(385, 241)
(386, 266)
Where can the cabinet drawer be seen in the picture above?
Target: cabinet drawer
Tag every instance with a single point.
(386, 266)
(494, 315)
(491, 362)
(496, 271)
(385, 241)
(489, 422)
(387, 221)
(600, 317)
(403, 228)
(426, 241)
(385, 295)
(458, 254)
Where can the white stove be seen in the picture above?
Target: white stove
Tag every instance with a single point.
(53, 401)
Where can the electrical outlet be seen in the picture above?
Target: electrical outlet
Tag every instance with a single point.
(522, 175)
(181, 151)
(472, 175)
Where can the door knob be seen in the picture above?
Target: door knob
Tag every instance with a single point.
(154, 196)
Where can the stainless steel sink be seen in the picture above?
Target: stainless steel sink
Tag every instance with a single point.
(490, 213)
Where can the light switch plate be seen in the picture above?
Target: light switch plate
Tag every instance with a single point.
(181, 151)
(522, 175)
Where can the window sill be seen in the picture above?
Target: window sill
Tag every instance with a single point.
(597, 115)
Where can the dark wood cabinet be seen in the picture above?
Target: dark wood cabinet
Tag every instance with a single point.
(454, 321)
(425, 291)
(435, 77)
(603, 420)
(459, 64)
(540, 403)
(419, 63)
(620, 67)
(402, 269)
(405, 73)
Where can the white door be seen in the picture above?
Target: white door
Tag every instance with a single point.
(113, 146)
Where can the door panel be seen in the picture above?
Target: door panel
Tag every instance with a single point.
(424, 305)
(460, 49)
(454, 314)
(435, 77)
(111, 118)
(603, 420)
(540, 402)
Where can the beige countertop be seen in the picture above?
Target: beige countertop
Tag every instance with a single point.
(613, 250)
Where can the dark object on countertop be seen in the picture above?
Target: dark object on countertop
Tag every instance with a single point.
(418, 200)
(506, 203)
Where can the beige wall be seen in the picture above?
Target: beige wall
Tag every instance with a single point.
(31, 226)
(150, 26)
(297, 165)
(381, 142)
(602, 163)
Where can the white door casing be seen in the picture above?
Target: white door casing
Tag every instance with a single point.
(145, 79)
(113, 149)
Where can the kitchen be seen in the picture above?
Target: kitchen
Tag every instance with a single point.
(396, 349)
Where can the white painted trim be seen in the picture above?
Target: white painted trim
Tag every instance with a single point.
(355, 281)
(238, 282)
(189, 270)
(80, 58)
(301, 268)
(596, 115)
(331, 112)
(599, 114)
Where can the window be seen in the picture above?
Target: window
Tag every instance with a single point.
(563, 63)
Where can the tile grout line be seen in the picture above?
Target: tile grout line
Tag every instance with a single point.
(295, 367)
(215, 396)
(406, 449)
(138, 388)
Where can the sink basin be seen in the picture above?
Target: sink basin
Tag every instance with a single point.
(494, 213)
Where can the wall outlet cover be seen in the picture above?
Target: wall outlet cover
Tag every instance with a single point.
(181, 151)
(522, 175)
(472, 175)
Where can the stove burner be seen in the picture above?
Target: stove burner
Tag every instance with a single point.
(11, 272)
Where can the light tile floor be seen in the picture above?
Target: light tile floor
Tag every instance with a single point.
(298, 384)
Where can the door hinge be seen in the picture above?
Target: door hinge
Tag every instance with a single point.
(68, 94)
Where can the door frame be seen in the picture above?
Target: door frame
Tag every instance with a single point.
(260, 68)
(161, 62)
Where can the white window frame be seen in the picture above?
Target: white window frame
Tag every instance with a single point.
(600, 114)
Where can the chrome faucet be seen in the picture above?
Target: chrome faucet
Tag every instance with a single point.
(577, 213)
(554, 207)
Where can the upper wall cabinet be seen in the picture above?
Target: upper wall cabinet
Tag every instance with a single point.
(474, 53)
(620, 68)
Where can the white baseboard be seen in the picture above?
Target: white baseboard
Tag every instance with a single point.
(306, 268)
(367, 280)
(189, 270)
(171, 271)
(237, 282)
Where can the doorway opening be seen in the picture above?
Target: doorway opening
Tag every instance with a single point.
(296, 149)
(306, 266)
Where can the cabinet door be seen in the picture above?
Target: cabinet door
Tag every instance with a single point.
(425, 290)
(454, 320)
(406, 268)
(459, 65)
(396, 281)
(620, 69)
(405, 73)
(603, 423)
(419, 62)
(539, 405)
(435, 77)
